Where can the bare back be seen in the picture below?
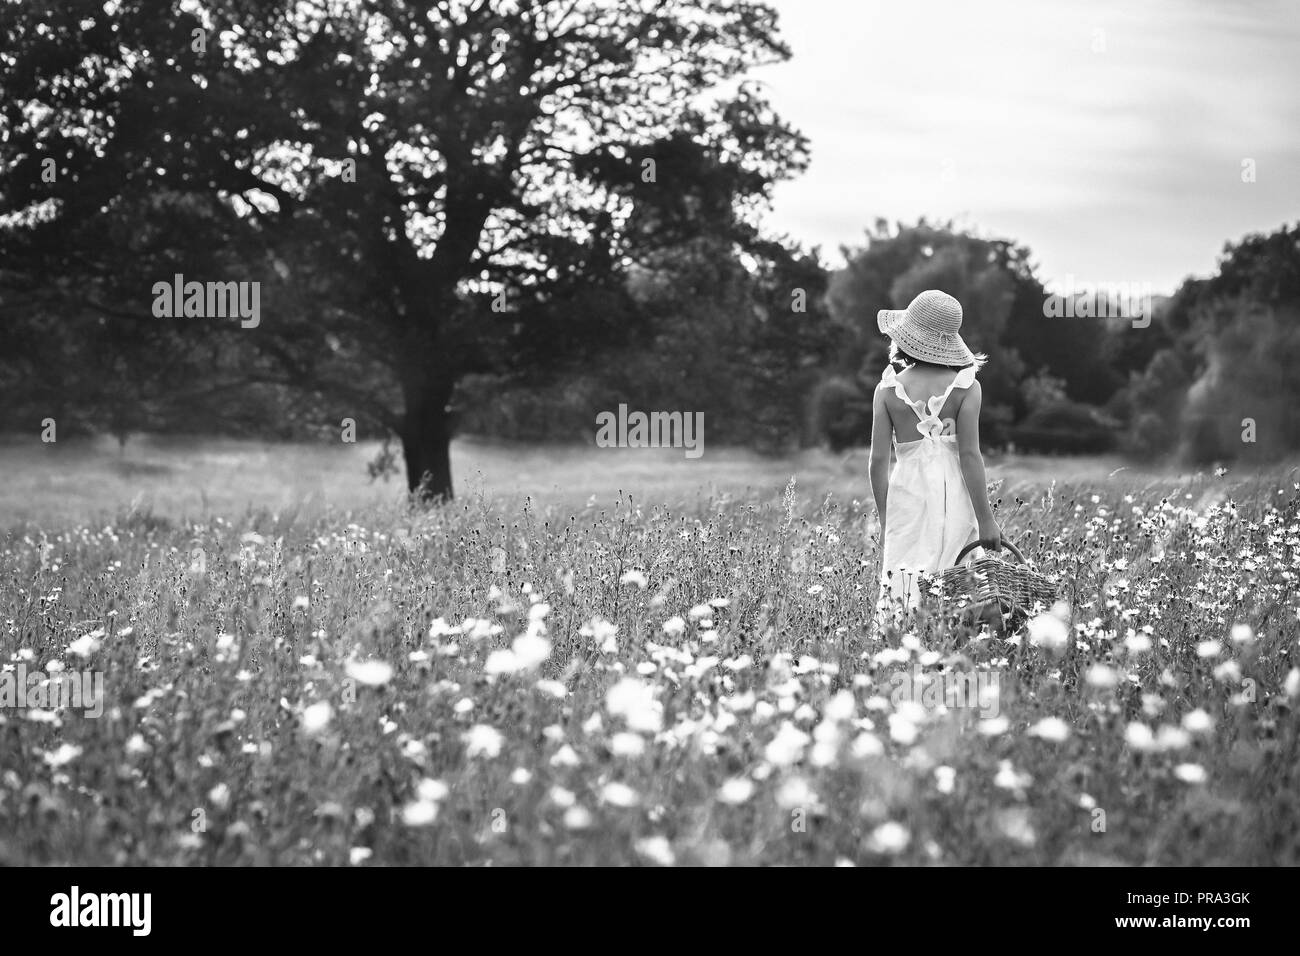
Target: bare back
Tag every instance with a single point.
(921, 385)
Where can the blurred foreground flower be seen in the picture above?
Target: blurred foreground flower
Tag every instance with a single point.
(945, 778)
(316, 717)
(656, 849)
(430, 789)
(1139, 737)
(369, 673)
(64, 755)
(634, 701)
(627, 745)
(552, 688)
(1051, 631)
(1101, 677)
(1008, 778)
(602, 634)
(620, 795)
(795, 792)
(787, 746)
(423, 810)
(736, 791)
(566, 756)
(420, 813)
(1052, 729)
(577, 818)
(994, 726)
(85, 645)
(634, 577)
(889, 838)
(1014, 824)
(528, 652)
(483, 741)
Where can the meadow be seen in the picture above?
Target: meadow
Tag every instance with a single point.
(622, 657)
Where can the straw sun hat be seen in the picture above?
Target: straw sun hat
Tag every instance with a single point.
(927, 329)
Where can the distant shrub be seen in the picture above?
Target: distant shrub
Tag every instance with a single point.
(1043, 388)
(1204, 440)
(1148, 436)
(841, 413)
(1066, 427)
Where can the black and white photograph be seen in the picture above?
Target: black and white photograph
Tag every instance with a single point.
(747, 434)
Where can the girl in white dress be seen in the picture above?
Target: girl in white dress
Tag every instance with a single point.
(935, 501)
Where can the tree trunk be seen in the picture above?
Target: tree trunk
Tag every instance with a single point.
(426, 442)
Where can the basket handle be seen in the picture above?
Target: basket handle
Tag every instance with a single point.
(1006, 543)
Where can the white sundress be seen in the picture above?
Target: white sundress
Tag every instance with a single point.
(929, 517)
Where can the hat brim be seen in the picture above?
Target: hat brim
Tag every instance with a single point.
(952, 351)
(890, 319)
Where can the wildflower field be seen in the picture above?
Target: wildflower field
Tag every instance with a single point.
(628, 683)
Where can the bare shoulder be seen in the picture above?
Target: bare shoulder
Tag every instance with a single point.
(969, 397)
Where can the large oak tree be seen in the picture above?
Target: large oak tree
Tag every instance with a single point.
(412, 182)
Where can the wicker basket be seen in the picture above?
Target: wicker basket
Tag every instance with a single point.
(994, 582)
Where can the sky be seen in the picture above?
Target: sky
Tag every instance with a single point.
(1109, 137)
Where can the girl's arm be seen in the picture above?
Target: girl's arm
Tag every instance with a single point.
(882, 430)
(972, 466)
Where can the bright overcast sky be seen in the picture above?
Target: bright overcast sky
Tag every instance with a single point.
(1115, 166)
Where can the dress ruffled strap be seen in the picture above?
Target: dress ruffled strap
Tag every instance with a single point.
(889, 379)
(965, 379)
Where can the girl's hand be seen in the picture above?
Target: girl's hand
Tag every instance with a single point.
(990, 535)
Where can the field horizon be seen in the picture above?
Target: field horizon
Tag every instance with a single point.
(197, 477)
